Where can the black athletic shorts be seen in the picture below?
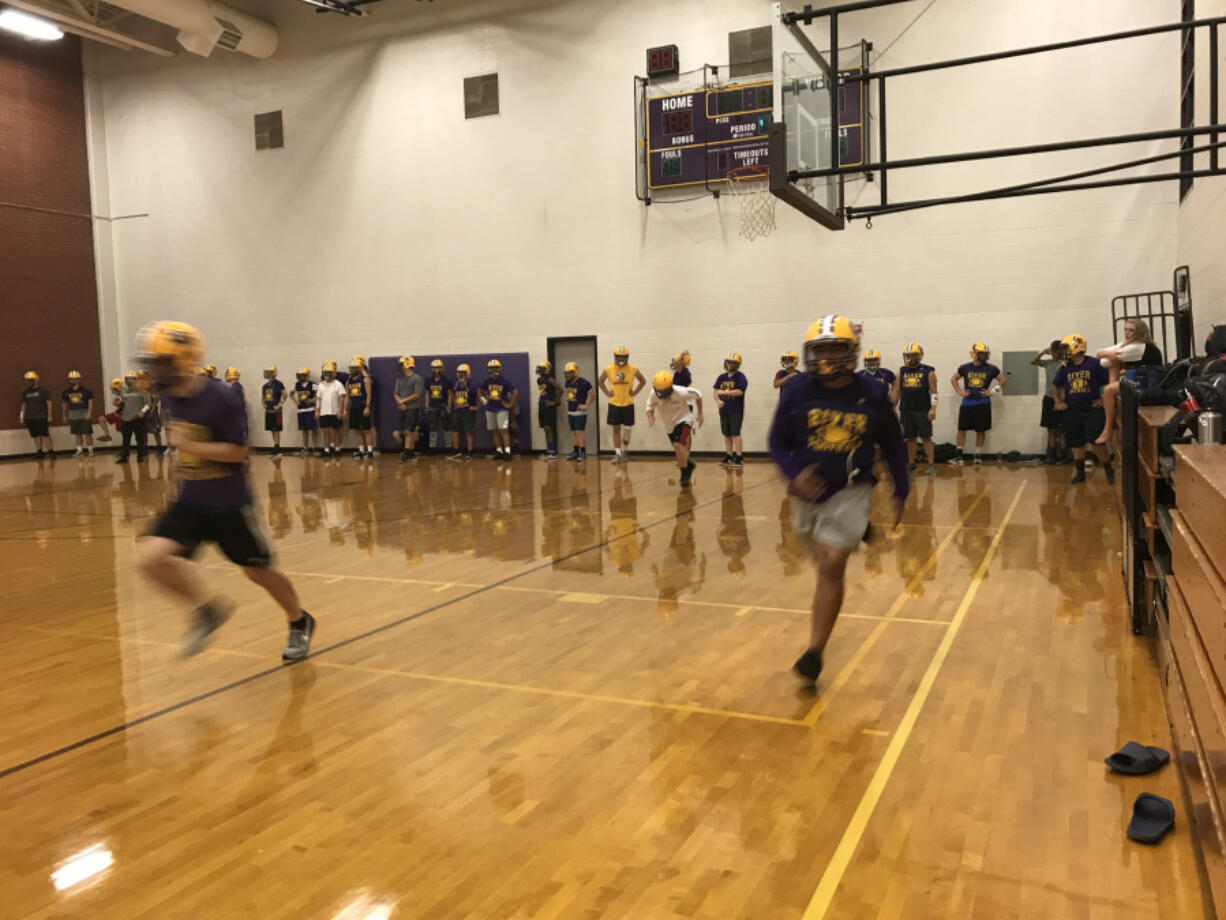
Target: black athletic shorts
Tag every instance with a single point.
(621, 415)
(438, 418)
(577, 421)
(975, 418)
(408, 419)
(915, 423)
(464, 421)
(547, 417)
(80, 426)
(730, 425)
(329, 421)
(1050, 417)
(37, 427)
(358, 421)
(1082, 426)
(234, 530)
(272, 420)
(680, 434)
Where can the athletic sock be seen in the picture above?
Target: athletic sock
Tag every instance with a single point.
(549, 446)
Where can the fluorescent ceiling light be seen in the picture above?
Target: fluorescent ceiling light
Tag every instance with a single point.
(30, 26)
(85, 864)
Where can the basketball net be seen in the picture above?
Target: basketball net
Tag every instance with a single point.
(751, 186)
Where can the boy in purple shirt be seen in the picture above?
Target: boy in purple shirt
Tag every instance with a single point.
(974, 382)
(729, 392)
(209, 432)
(498, 397)
(827, 428)
(1078, 393)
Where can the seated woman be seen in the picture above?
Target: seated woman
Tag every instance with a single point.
(1137, 350)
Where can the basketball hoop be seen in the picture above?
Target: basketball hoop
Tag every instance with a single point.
(751, 186)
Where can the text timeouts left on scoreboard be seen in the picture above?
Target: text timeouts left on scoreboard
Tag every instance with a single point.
(698, 136)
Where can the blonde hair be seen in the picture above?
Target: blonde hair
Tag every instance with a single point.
(1140, 331)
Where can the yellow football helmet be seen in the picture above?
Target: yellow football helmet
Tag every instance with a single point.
(1074, 344)
(463, 370)
(329, 367)
(544, 368)
(436, 365)
(170, 350)
(270, 372)
(832, 330)
(406, 362)
(913, 354)
(493, 365)
(304, 374)
(74, 376)
(662, 383)
(979, 348)
(30, 377)
(571, 371)
(621, 355)
(116, 384)
(357, 361)
(680, 359)
(872, 360)
(210, 370)
(732, 362)
(233, 374)
(789, 360)
(131, 375)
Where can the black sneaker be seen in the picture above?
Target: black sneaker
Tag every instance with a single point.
(456, 455)
(204, 622)
(687, 473)
(738, 461)
(404, 456)
(122, 458)
(911, 467)
(1109, 470)
(1079, 476)
(298, 646)
(808, 667)
(496, 455)
(727, 461)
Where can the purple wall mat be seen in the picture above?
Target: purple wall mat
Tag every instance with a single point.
(515, 368)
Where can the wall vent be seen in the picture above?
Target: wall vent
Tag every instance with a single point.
(481, 96)
(268, 131)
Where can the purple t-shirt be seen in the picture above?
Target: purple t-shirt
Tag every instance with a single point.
(436, 392)
(881, 375)
(733, 405)
(576, 393)
(270, 395)
(496, 391)
(914, 394)
(306, 395)
(837, 429)
(465, 396)
(1082, 383)
(683, 377)
(78, 401)
(215, 414)
(976, 378)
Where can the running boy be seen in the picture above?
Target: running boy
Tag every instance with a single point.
(579, 396)
(729, 396)
(330, 408)
(550, 394)
(498, 397)
(827, 429)
(209, 430)
(974, 382)
(676, 407)
(273, 396)
(408, 392)
(304, 398)
(357, 397)
(1078, 392)
(78, 408)
(620, 382)
(35, 413)
(915, 394)
(462, 401)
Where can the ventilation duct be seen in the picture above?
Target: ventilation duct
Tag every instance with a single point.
(207, 24)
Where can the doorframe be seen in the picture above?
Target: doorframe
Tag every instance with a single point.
(551, 344)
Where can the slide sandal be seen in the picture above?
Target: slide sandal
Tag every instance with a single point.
(1135, 759)
(1152, 817)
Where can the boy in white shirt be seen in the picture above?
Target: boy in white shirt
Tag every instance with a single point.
(676, 407)
(330, 408)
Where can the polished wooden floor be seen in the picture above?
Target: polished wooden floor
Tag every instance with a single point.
(542, 691)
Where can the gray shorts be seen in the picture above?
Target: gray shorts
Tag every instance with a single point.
(838, 521)
(497, 421)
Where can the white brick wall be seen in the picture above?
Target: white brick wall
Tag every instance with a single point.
(390, 224)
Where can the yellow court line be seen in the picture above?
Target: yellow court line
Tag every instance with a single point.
(891, 614)
(819, 904)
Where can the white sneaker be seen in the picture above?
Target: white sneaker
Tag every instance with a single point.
(79, 452)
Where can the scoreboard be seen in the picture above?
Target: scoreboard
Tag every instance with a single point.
(698, 136)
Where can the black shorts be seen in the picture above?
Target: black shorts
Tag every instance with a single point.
(915, 423)
(621, 415)
(975, 418)
(681, 434)
(329, 421)
(730, 425)
(234, 530)
(1081, 426)
(464, 421)
(37, 427)
(577, 421)
(80, 426)
(357, 420)
(272, 420)
(408, 419)
(438, 417)
(1050, 417)
(547, 417)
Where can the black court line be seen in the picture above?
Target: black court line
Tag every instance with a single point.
(277, 669)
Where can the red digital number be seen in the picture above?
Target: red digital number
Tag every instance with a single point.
(653, 61)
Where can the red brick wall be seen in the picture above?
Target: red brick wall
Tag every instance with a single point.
(48, 292)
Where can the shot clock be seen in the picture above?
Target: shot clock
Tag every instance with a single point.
(662, 61)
